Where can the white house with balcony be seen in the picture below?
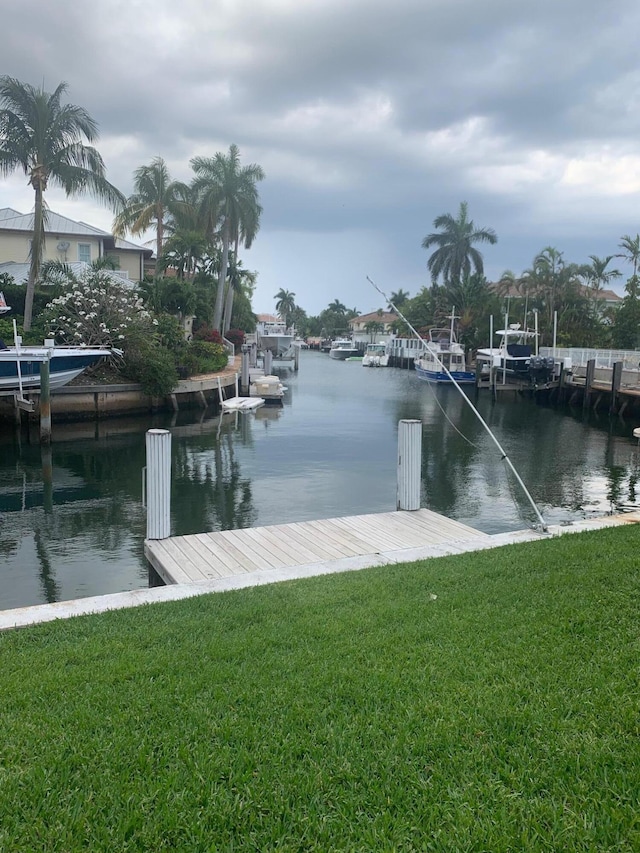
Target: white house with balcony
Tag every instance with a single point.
(67, 241)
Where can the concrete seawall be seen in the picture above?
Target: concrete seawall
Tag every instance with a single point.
(83, 402)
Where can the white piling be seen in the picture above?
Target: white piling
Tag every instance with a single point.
(158, 491)
(268, 362)
(409, 464)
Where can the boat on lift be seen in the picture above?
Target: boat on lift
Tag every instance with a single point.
(4, 308)
(20, 365)
(442, 350)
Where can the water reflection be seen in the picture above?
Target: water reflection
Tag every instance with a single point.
(72, 522)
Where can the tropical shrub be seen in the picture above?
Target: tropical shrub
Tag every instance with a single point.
(98, 309)
(204, 357)
(236, 337)
(206, 333)
(152, 365)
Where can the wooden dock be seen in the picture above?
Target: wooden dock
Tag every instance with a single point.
(351, 542)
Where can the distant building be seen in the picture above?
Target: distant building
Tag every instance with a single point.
(386, 319)
(67, 241)
(607, 298)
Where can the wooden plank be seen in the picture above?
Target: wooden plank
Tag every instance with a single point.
(174, 550)
(223, 552)
(277, 557)
(248, 548)
(244, 562)
(301, 549)
(309, 536)
(200, 559)
(343, 543)
(164, 563)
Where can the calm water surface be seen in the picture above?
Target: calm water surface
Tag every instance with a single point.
(72, 523)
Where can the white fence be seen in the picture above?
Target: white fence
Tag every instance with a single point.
(604, 358)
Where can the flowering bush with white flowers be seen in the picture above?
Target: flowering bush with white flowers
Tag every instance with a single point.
(97, 309)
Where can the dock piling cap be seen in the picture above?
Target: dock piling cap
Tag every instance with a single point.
(636, 433)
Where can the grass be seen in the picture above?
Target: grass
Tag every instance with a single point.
(486, 702)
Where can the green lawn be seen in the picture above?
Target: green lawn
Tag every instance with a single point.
(486, 702)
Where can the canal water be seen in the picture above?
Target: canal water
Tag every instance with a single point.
(72, 522)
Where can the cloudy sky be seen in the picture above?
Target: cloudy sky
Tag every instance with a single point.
(369, 118)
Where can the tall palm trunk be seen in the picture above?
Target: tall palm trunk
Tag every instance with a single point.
(228, 308)
(226, 239)
(37, 245)
(159, 237)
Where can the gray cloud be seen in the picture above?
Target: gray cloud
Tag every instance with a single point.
(369, 119)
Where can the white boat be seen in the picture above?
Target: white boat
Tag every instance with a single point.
(267, 387)
(3, 304)
(514, 356)
(20, 365)
(343, 348)
(274, 336)
(442, 350)
(375, 355)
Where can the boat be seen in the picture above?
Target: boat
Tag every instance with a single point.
(269, 388)
(20, 365)
(343, 348)
(3, 304)
(274, 336)
(515, 358)
(441, 350)
(375, 355)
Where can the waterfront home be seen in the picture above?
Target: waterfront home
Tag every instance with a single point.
(67, 241)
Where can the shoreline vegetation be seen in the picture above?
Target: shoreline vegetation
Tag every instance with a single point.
(485, 701)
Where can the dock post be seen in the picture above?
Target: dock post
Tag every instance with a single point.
(588, 382)
(296, 357)
(615, 386)
(268, 362)
(244, 369)
(409, 464)
(158, 480)
(45, 404)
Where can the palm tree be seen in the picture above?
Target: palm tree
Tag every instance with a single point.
(398, 298)
(337, 307)
(229, 200)
(44, 138)
(631, 253)
(239, 280)
(455, 254)
(597, 274)
(285, 304)
(151, 203)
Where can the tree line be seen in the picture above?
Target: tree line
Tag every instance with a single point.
(199, 226)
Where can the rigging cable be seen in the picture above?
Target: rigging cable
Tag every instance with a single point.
(503, 454)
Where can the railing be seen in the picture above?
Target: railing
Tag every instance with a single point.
(604, 358)
(231, 350)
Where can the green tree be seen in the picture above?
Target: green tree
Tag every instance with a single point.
(240, 281)
(44, 137)
(150, 205)
(285, 304)
(455, 255)
(398, 298)
(596, 274)
(228, 201)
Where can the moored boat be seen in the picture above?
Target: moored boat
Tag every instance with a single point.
(443, 358)
(375, 355)
(343, 348)
(20, 366)
(512, 355)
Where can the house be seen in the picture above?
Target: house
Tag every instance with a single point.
(65, 240)
(359, 325)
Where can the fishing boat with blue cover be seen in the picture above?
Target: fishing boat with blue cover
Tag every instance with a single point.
(20, 365)
(442, 350)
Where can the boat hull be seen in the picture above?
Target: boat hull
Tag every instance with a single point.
(439, 377)
(63, 367)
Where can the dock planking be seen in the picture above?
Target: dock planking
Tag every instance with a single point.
(226, 553)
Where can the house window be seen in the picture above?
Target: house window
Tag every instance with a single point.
(84, 252)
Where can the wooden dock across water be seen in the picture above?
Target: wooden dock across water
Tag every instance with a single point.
(351, 542)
